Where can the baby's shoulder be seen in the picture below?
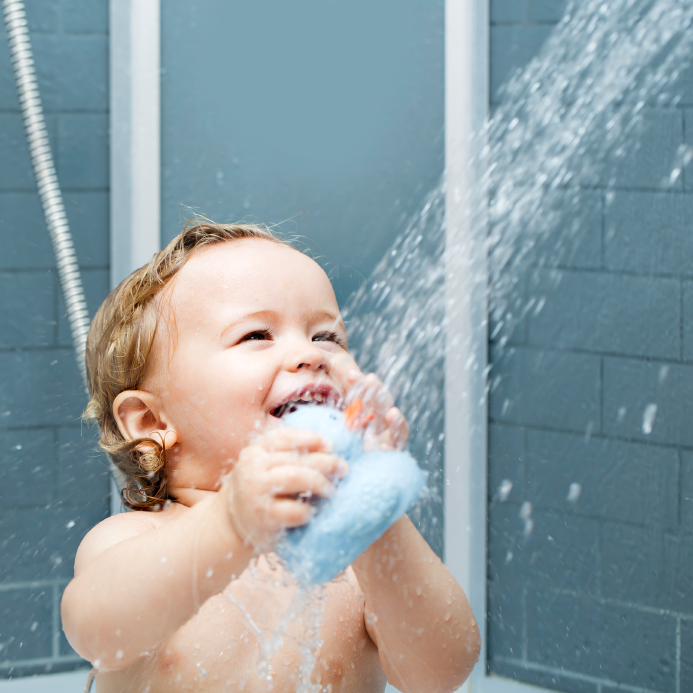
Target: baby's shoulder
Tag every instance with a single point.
(116, 529)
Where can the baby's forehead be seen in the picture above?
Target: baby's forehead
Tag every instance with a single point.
(247, 272)
(240, 258)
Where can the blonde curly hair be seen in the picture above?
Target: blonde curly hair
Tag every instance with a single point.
(118, 346)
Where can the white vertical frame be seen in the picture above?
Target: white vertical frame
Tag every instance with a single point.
(467, 26)
(135, 108)
(135, 155)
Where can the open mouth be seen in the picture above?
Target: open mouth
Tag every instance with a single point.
(309, 395)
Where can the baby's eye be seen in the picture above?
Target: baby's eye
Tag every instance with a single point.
(328, 337)
(256, 335)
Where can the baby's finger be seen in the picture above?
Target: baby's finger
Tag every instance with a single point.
(373, 394)
(291, 513)
(355, 387)
(398, 428)
(379, 396)
(294, 439)
(293, 480)
(327, 463)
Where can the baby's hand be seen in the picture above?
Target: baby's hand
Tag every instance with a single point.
(273, 481)
(384, 426)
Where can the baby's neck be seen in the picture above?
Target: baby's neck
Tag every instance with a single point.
(189, 496)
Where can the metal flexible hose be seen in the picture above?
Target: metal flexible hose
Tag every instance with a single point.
(46, 178)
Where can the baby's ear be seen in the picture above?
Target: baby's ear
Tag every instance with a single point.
(139, 415)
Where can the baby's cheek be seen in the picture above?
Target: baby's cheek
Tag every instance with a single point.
(342, 365)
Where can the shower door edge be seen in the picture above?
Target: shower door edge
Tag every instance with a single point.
(135, 143)
(466, 108)
(467, 69)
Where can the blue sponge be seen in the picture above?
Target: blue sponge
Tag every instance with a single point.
(379, 488)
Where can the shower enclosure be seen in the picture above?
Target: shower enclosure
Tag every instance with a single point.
(563, 505)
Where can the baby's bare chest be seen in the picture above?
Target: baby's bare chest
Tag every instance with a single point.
(262, 635)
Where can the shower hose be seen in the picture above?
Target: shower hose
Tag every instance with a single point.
(46, 178)
(47, 183)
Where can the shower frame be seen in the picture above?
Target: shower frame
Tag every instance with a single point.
(467, 72)
(135, 145)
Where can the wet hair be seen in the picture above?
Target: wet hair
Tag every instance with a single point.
(118, 347)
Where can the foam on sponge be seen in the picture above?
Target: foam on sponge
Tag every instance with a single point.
(379, 488)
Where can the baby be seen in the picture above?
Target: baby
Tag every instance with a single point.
(192, 361)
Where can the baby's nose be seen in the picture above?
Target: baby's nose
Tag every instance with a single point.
(311, 358)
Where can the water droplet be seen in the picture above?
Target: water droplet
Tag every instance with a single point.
(70, 524)
(574, 492)
(621, 414)
(648, 418)
(588, 431)
(504, 490)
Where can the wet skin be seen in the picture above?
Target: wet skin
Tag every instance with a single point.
(245, 327)
(217, 650)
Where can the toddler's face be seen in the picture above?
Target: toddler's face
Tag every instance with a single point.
(249, 326)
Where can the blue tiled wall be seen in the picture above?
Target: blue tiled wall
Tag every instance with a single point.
(53, 482)
(596, 595)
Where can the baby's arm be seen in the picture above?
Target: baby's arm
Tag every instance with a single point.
(416, 613)
(134, 586)
(139, 577)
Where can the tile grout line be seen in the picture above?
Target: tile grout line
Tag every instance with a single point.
(33, 584)
(575, 675)
(678, 655)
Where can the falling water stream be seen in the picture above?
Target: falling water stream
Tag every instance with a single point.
(570, 121)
